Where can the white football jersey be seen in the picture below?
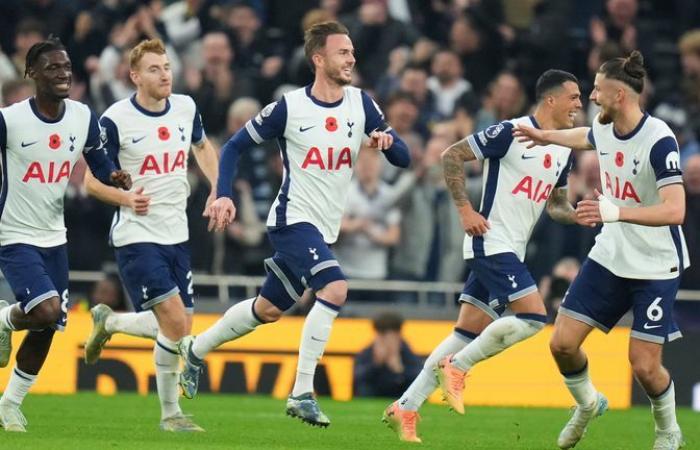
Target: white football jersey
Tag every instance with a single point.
(319, 143)
(632, 170)
(38, 155)
(153, 147)
(517, 182)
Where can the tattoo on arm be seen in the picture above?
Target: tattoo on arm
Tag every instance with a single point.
(559, 208)
(453, 159)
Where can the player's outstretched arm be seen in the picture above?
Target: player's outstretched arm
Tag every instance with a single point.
(575, 138)
(135, 199)
(208, 162)
(671, 210)
(394, 149)
(453, 159)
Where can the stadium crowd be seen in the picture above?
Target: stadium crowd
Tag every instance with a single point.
(440, 70)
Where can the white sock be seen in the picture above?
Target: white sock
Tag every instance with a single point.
(425, 383)
(498, 336)
(237, 321)
(141, 324)
(5, 318)
(581, 387)
(314, 336)
(167, 362)
(663, 408)
(17, 388)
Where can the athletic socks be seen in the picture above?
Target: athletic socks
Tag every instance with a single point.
(17, 388)
(314, 336)
(498, 336)
(425, 383)
(167, 361)
(581, 387)
(663, 407)
(141, 324)
(237, 321)
(5, 321)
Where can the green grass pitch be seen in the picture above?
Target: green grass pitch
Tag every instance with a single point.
(129, 421)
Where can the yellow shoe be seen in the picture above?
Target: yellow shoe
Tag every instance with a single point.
(451, 382)
(404, 423)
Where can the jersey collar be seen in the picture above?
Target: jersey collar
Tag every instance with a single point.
(43, 118)
(143, 110)
(631, 134)
(321, 103)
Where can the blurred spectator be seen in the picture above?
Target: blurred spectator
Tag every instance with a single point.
(689, 47)
(109, 291)
(387, 366)
(375, 35)
(14, 91)
(480, 49)
(29, 32)
(506, 99)
(446, 82)
(369, 228)
(216, 85)
(691, 226)
(414, 80)
(677, 119)
(618, 23)
(555, 286)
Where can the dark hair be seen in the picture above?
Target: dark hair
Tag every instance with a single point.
(35, 51)
(315, 38)
(629, 70)
(401, 96)
(550, 80)
(387, 321)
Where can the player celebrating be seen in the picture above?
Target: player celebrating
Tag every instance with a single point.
(518, 185)
(319, 130)
(638, 256)
(41, 139)
(150, 135)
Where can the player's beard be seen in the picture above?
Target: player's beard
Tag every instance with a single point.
(337, 77)
(604, 117)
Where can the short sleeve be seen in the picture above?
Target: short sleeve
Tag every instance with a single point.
(94, 136)
(666, 161)
(374, 117)
(563, 180)
(269, 123)
(591, 138)
(197, 128)
(110, 137)
(492, 142)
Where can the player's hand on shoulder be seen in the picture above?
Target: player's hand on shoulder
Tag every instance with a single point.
(221, 213)
(380, 140)
(529, 135)
(474, 224)
(138, 201)
(121, 179)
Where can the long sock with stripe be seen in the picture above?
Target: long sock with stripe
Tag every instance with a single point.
(167, 362)
(18, 387)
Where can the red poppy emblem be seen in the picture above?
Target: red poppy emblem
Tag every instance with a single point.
(331, 124)
(163, 133)
(54, 141)
(620, 159)
(547, 161)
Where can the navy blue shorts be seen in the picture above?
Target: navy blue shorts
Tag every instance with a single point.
(600, 298)
(152, 273)
(36, 274)
(302, 260)
(495, 281)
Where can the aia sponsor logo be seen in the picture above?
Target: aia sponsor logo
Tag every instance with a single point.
(618, 188)
(53, 172)
(332, 160)
(164, 163)
(535, 190)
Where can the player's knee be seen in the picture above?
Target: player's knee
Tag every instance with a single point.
(46, 313)
(644, 368)
(335, 292)
(562, 349)
(267, 312)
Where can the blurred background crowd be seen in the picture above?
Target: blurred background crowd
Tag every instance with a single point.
(440, 69)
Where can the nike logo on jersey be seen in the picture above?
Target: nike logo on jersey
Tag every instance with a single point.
(28, 144)
(603, 154)
(137, 140)
(650, 327)
(528, 156)
(302, 129)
